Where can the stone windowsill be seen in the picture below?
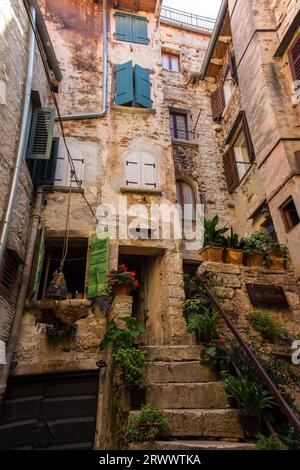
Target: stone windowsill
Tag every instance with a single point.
(187, 143)
(68, 302)
(156, 192)
(132, 110)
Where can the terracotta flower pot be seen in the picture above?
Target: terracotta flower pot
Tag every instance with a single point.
(79, 295)
(212, 253)
(256, 259)
(275, 261)
(122, 290)
(234, 256)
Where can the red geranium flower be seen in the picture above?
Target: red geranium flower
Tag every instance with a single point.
(221, 340)
(123, 267)
(136, 283)
(132, 274)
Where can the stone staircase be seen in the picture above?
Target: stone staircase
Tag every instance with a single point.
(194, 401)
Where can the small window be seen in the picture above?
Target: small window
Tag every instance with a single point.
(178, 126)
(228, 86)
(290, 214)
(186, 199)
(241, 153)
(294, 59)
(9, 276)
(170, 62)
(140, 171)
(131, 28)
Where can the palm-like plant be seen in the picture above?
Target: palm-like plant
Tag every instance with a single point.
(212, 235)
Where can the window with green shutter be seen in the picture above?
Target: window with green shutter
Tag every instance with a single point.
(131, 28)
(41, 133)
(133, 87)
(43, 171)
(37, 265)
(98, 267)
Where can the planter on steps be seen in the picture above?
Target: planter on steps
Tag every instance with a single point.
(275, 261)
(234, 256)
(212, 253)
(251, 425)
(255, 259)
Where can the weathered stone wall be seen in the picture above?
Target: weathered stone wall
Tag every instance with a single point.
(13, 68)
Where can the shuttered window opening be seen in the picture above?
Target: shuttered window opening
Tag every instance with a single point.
(133, 87)
(232, 66)
(41, 133)
(98, 266)
(217, 103)
(42, 172)
(63, 171)
(9, 276)
(230, 170)
(294, 59)
(178, 126)
(131, 28)
(289, 214)
(140, 171)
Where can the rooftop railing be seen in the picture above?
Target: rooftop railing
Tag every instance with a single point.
(185, 18)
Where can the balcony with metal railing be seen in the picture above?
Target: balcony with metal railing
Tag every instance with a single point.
(187, 19)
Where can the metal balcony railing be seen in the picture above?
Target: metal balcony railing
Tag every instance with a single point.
(190, 19)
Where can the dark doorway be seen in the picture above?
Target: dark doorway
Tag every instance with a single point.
(50, 412)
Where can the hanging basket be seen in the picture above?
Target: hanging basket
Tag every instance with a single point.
(58, 287)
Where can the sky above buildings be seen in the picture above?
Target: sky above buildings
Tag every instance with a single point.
(207, 8)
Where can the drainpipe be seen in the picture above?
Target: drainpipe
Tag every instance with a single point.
(17, 320)
(76, 117)
(22, 143)
(214, 38)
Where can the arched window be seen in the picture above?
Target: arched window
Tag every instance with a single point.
(186, 199)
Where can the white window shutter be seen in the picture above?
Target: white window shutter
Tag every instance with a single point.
(79, 168)
(61, 171)
(148, 171)
(133, 170)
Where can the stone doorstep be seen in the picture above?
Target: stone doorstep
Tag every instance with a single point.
(173, 353)
(191, 445)
(187, 395)
(204, 423)
(191, 371)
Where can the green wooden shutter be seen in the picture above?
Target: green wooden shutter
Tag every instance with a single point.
(140, 30)
(124, 83)
(37, 265)
(98, 267)
(41, 132)
(142, 87)
(124, 27)
(45, 169)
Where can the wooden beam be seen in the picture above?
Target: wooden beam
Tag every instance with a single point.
(225, 39)
(216, 61)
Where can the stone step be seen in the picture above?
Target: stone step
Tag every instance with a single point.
(173, 353)
(179, 372)
(187, 395)
(192, 445)
(204, 423)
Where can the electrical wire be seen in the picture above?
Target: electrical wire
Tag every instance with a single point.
(44, 60)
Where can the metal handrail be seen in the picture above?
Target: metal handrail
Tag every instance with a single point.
(285, 408)
(190, 19)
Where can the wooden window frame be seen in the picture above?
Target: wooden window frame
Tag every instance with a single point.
(8, 292)
(288, 224)
(171, 55)
(173, 115)
(295, 76)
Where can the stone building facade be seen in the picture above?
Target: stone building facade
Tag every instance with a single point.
(155, 141)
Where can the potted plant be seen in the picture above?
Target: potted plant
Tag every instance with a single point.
(131, 362)
(253, 402)
(255, 248)
(148, 425)
(120, 281)
(213, 240)
(277, 255)
(204, 323)
(215, 353)
(234, 254)
(267, 326)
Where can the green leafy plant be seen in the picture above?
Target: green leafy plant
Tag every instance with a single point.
(193, 306)
(232, 241)
(257, 242)
(119, 337)
(204, 322)
(266, 325)
(54, 334)
(251, 397)
(147, 425)
(268, 443)
(289, 437)
(131, 362)
(212, 235)
(215, 352)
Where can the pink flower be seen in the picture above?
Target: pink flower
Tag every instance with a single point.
(136, 283)
(221, 340)
(132, 274)
(123, 267)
